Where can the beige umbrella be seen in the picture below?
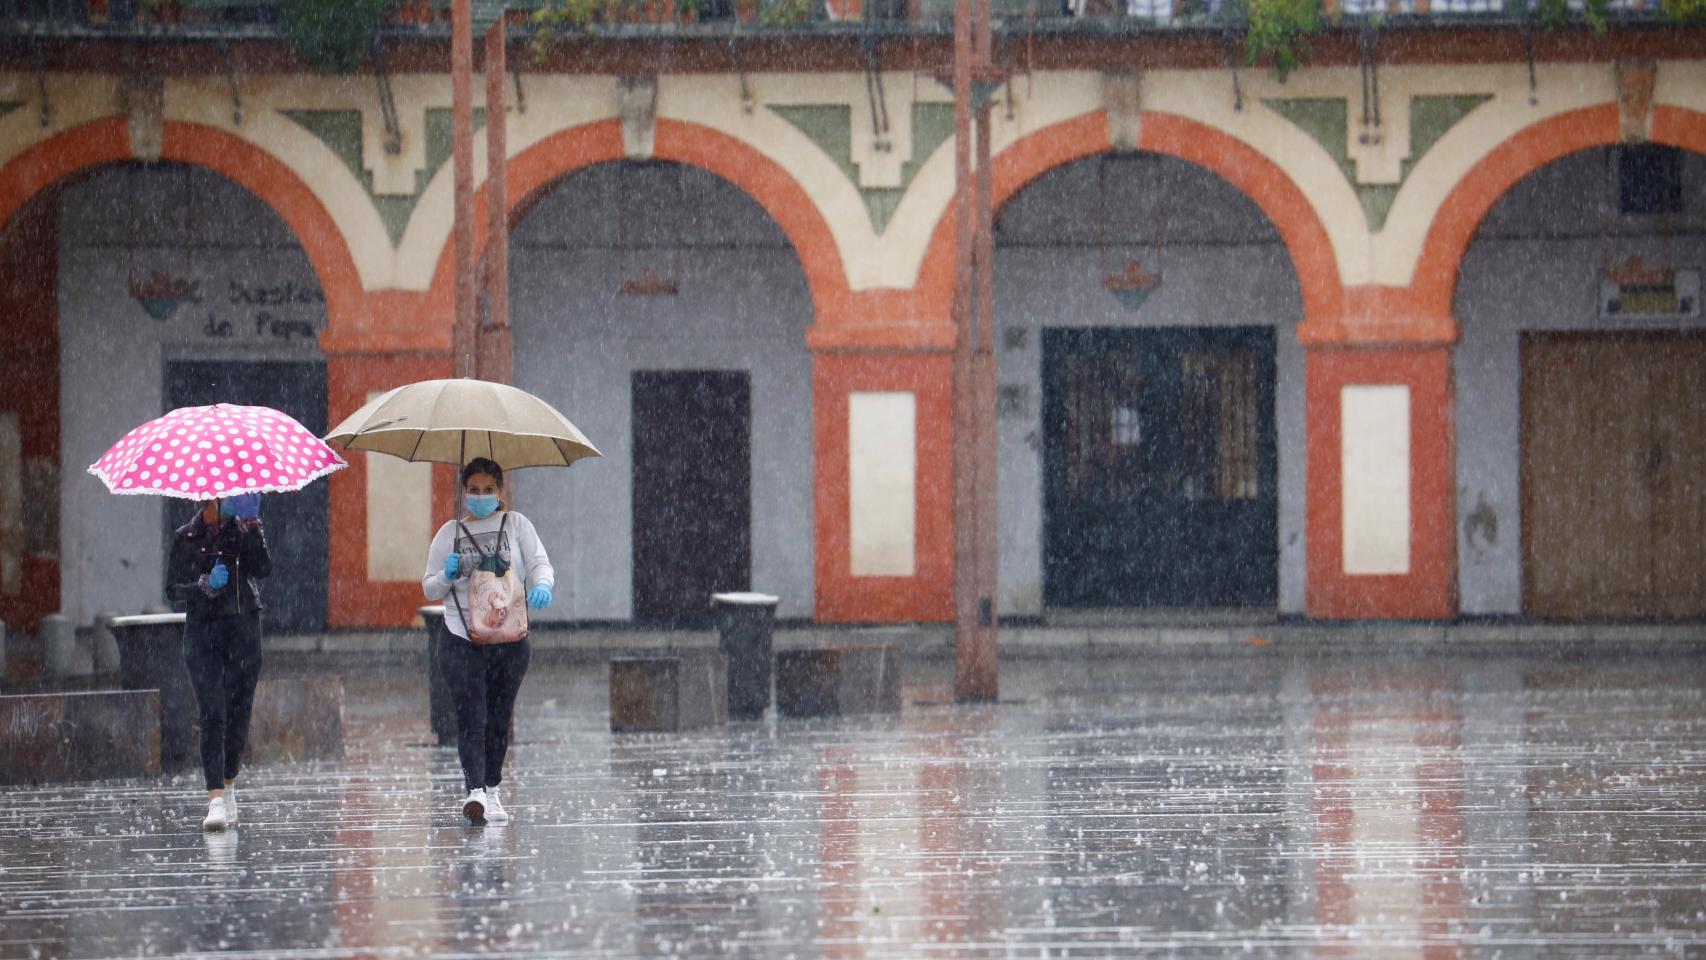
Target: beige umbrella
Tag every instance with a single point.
(454, 421)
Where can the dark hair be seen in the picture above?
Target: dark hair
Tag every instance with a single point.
(483, 465)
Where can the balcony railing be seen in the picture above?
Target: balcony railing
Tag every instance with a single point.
(260, 18)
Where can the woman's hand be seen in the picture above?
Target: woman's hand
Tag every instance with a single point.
(540, 596)
(219, 576)
(452, 566)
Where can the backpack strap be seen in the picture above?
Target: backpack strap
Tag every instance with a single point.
(502, 523)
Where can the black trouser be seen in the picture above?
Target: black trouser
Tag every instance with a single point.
(223, 655)
(483, 679)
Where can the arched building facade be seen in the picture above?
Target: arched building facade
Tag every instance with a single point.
(801, 238)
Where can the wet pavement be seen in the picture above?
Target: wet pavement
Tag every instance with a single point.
(1253, 805)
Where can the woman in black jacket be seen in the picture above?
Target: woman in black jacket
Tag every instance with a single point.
(210, 576)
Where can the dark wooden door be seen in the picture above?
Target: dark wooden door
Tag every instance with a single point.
(296, 523)
(692, 491)
(1612, 460)
(1160, 468)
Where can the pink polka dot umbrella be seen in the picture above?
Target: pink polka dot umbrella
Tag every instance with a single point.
(199, 453)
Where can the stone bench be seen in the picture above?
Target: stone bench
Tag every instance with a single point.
(90, 735)
(297, 718)
(668, 693)
(67, 735)
(830, 681)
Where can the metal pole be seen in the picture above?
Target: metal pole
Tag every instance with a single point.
(965, 475)
(981, 679)
(496, 356)
(463, 332)
(975, 567)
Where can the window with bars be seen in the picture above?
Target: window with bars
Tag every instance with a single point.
(1219, 441)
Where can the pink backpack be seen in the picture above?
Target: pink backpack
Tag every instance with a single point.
(498, 599)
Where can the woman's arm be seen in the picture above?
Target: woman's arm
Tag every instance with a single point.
(434, 583)
(252, 550)
(184, 579)
(532, 554)
(181, 576)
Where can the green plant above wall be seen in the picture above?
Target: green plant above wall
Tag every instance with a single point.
(1684, 11)
(1280, 29)
(334, 36)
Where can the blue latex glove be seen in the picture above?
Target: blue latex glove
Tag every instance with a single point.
(243, 506)
(218, 577)
(540, 596)
(452, 566)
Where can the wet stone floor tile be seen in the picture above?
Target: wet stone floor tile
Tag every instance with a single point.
(1262, 807)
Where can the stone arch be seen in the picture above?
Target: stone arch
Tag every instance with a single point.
(1525, 152)
(105, 142)
(533, 171)
(1259, 178)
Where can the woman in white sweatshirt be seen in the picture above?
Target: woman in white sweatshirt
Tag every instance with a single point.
(483, 677)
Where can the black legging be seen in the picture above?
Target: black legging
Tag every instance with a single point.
(223, 655)
(483, 680)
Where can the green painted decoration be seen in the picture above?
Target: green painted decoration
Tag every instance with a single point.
(340, 131)
(1327, 121)
(831, 128)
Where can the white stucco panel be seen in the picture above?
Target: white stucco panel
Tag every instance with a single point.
(1681, 84)
(1375, 478)
(882, 441)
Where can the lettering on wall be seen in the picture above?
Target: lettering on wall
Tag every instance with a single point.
(251, 309)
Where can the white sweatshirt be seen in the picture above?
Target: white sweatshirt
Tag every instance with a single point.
(520, 545)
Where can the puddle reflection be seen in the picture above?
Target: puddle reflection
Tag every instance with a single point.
(1335, 809)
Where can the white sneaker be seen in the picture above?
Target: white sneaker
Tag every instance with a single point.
(230, 804)
(495, 812)
(217, 818)
(474, 808)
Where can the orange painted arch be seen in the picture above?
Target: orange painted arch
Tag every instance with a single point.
(1240, 164)
(536, 169)
(1459, 217)
(106, 142)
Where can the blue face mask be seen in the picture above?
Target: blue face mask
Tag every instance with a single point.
(482, 506)
(227, 509)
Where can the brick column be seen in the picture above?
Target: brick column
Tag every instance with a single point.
(1382, 482)
(909, 358)
(397, 338)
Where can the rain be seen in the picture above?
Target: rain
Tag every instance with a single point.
(852, 479)
(1234, 803)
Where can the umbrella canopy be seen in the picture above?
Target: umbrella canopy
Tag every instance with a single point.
(454, 421)
(199, 453)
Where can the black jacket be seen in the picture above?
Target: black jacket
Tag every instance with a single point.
(195, 548)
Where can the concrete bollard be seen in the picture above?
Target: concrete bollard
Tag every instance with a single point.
(105, 644)
(668, 693)
(60, 653)
(834, 681)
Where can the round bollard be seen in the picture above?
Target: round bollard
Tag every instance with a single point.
(151, 657)
(744, 625)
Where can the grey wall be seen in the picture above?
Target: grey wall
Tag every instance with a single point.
(112, 353)
(743, 305)
(1536, 264)
(1223, 265)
